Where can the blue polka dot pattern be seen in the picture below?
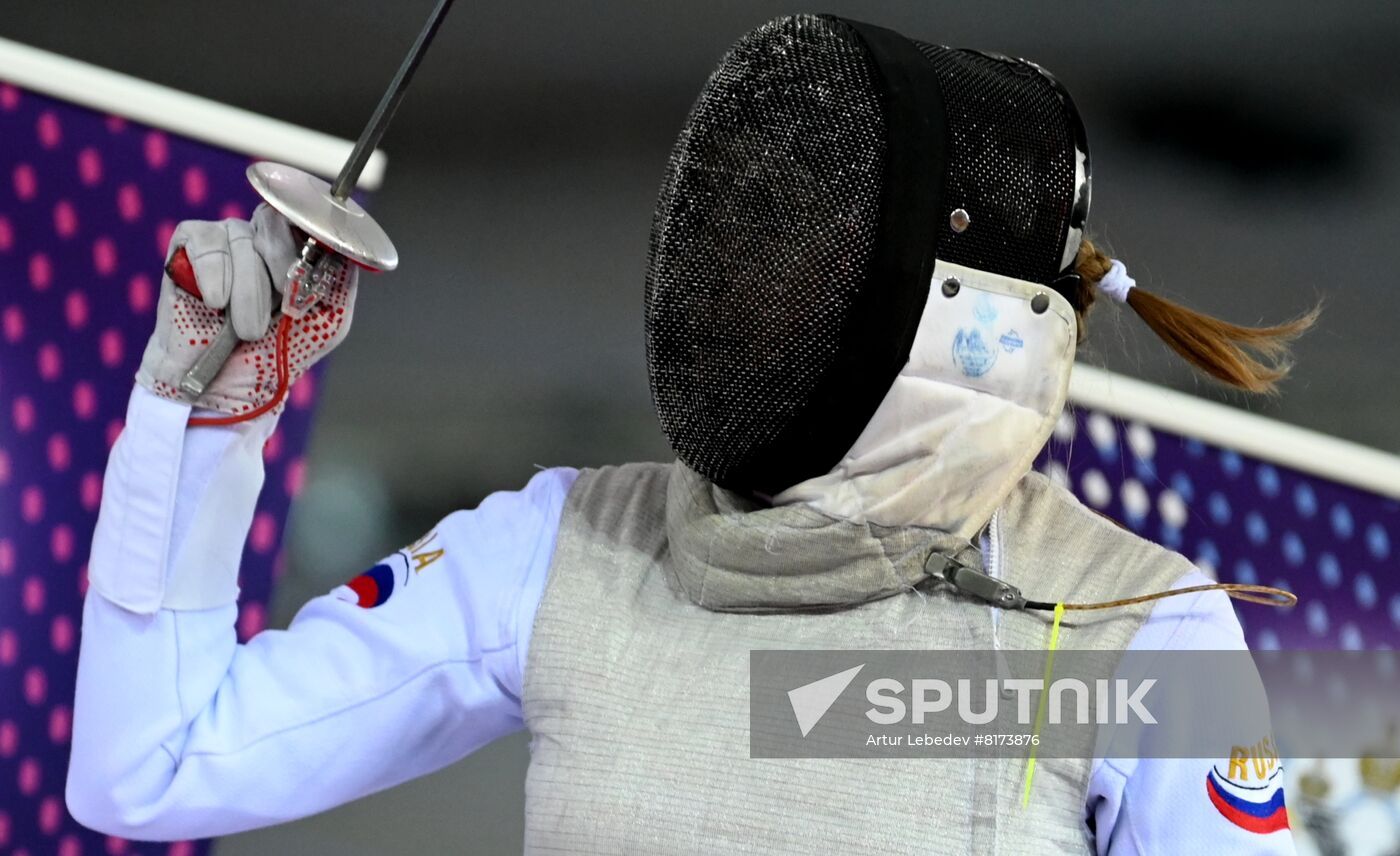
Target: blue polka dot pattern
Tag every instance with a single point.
(1341, 521)
(1316, 614)
(1231, 463)
(1267, 479)
(1207, 554)
(1350, 638)
(1219, 509)
(1250, 521)
(1329, 570)
(1256, 527)
(1305, 500)
(1377, 542)
(1181, 483)
(1365, 589)
(1293, 551)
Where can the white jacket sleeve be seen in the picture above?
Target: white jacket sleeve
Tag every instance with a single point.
(1165, 806)
(181, 732)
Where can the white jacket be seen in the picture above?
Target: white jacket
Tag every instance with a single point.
(181, 732)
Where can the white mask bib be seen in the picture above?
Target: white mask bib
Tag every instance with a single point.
(963, 421)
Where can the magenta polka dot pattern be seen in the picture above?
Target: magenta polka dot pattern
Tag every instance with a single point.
(87, 206)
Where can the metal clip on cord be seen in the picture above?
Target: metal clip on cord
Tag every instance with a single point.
(974, 583)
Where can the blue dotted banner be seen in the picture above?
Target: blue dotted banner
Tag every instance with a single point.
(1244, 520)
(1249, 521)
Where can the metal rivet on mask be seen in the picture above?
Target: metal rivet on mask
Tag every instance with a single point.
(951, 286)
(1040, 303)
(959, 220)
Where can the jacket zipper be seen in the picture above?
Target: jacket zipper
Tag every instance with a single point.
(992, 567)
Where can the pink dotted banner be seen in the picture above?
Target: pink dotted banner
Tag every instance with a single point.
(87, 206)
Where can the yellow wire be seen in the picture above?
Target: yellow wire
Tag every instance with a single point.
(1040, 708)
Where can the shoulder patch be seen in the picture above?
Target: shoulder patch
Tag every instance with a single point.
(375, 586)
(1249, 793)
(372, 588)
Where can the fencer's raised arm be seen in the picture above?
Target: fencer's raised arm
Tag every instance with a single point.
(179, 731)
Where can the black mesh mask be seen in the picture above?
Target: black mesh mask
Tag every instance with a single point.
(813, 186)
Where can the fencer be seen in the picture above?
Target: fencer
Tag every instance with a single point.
(868, 275)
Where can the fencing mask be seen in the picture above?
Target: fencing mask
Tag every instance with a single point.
(825, 167)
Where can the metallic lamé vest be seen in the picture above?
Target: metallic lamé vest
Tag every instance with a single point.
(636, 686)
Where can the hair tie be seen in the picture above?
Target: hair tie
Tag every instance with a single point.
(1116, 283)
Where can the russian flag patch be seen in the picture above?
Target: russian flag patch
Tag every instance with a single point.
(370, 589)
(1258, 809)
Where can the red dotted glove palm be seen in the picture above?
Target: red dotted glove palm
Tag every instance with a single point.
(240, 268)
